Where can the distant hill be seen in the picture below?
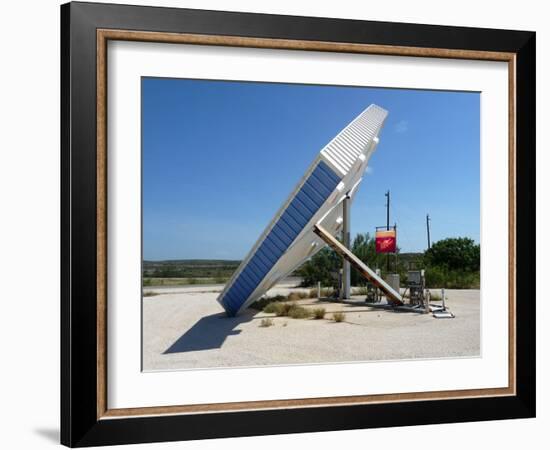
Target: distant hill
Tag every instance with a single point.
(223, 269)
(190, 268)
(194, 262)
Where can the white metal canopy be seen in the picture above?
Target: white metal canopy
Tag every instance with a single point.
(289, 239)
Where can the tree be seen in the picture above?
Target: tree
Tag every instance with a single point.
(320, 268)
(454, 254)
(323, 265)
(364, 247)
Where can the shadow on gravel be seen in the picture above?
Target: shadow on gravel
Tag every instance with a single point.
(209, 332)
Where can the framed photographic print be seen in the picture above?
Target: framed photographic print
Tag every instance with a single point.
(276, 224)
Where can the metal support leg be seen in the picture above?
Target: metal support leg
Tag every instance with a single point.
(346, 274)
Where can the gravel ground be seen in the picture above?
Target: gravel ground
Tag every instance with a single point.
(186, 328)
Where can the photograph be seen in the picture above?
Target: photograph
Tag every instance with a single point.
(286, 221)
(287, 224)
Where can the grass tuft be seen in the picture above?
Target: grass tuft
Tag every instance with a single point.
(293, 296)
(272, 308)
(319, 313)
(264, 301)
(293, 310)
(266, 323)
(338, 316)
(299, 312)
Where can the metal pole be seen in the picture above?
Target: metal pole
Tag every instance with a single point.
(388, 210)
(428, 229)
(346, 273)
(388, 227)
(395, 253)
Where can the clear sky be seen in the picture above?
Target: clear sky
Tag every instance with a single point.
(219, 158)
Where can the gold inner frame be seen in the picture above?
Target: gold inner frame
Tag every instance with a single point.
(104, 35)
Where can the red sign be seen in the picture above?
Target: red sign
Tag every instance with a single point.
(386, 241)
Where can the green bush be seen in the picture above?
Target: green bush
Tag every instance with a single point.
(454, 254)
(436, 277)
(441, 277)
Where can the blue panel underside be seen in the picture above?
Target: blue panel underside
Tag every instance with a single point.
(303, 206)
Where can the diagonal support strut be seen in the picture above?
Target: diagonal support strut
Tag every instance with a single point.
(392, 296)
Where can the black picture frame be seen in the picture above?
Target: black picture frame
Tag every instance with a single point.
(80, 424)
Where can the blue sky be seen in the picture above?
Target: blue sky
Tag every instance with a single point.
(219, 158)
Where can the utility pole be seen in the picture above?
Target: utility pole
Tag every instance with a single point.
(395, 254)
(388, 226)
(387, 194)
(428, 229)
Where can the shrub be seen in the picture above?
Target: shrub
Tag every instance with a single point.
(338, 316)
(285, 308)
(436, 277)
(293, 310)
(299, 312)
(264, 301)
(278, 308)
(266, 323)
(325, 293)
(319, 313)
(150, 294)
(460, 254)
(272, 308)
(293, 296)
(440, 277)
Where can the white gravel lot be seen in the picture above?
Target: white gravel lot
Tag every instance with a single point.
(186, 328)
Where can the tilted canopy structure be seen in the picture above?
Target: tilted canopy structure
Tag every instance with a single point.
(291, 237)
